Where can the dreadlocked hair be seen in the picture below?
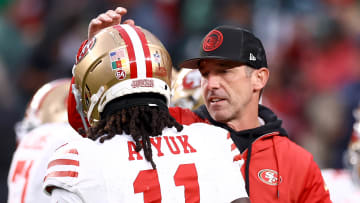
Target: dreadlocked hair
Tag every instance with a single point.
(141, 122)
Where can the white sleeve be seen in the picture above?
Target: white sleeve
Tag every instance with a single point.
(63, 169)
(59, 195)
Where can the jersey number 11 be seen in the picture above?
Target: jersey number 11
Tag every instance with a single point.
(147, 182)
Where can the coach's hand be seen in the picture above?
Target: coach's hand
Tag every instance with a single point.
(110, 18)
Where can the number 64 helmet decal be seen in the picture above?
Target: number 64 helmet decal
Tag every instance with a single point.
(118, 61)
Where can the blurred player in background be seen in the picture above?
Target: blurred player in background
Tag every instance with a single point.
(43, 129)
(124, 83)
(186, 89)
(344, 184)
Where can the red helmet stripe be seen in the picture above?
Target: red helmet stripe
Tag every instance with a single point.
(145, 46)
(130, 50)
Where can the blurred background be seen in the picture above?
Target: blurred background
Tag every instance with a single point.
(312, 46)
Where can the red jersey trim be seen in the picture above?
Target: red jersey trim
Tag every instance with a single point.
(71, 174)
(63, 162)
(72, 151)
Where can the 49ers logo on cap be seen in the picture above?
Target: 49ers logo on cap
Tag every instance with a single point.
(213, 40)
(269, 177)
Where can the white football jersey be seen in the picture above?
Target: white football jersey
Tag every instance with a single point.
(341, 187)
(196, 164)
(29, 163)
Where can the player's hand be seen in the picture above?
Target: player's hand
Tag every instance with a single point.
(109, 18)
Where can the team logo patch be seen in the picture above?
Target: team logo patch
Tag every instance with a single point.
(192, 80)
(119, 61)
(213, 40)
(88, 46)
(120, 74)
(269, 177)
(157, 57)
(161, 72)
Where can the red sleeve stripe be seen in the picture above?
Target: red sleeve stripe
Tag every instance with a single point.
(71, 174)
(72, 151)
(149, 71)
(130, 50)
(61, 146)
(228, 135)
(63, 162)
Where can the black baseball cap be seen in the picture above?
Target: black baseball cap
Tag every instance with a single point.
(230, 44)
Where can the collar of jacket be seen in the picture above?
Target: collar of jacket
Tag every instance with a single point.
(243, 138)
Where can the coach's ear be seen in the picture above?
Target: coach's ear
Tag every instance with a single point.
(260, 77)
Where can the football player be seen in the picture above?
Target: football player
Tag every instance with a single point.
(186, 89)
(344, 184)
(43, 129)
(137, 152)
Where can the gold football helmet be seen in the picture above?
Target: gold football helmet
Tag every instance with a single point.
(120, 60)
(353, 152)
(48, 105)
(187, 89)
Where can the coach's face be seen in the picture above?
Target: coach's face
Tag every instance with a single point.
(230, 92)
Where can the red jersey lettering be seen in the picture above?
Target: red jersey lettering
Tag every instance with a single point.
(157, 145)
(186, 144)
(177, 151)
(131, 147)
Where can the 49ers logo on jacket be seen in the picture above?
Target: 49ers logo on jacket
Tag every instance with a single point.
(269, 176)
